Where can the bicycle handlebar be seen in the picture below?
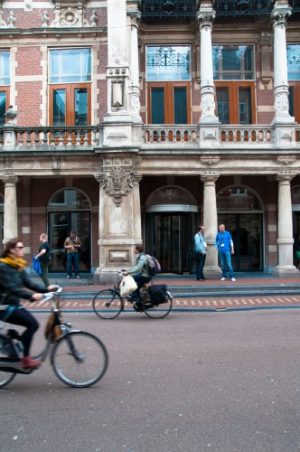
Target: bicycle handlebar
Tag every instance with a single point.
(50, 295)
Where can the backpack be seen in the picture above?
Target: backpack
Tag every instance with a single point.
(154, 265)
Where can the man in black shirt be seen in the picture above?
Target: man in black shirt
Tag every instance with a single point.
(44, 258)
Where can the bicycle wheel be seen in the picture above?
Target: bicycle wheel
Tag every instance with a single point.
(79, 359)
(158, 311)
(107, 304)
(5, 377)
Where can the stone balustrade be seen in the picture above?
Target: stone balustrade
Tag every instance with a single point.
(250, 134)
(53, 138)
(166, 134)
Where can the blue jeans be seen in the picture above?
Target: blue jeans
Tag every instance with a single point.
(225, 262)
(72, 259)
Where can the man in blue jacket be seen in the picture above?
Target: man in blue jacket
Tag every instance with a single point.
(225, 248)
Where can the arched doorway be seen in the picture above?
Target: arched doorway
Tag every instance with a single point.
(170, 223)
(69, 209)
(241, 211)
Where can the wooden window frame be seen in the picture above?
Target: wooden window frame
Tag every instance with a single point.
(296, 97)
(233, 91)
(70, 111)
(169, 99)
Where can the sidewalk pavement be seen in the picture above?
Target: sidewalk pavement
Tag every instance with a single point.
(267, 291)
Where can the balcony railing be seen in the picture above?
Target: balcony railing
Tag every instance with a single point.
(52, 138)
(235, 8)
(249, 135)
(164, 134)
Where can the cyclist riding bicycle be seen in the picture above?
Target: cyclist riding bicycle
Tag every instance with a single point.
(140, 273)
(13, 283)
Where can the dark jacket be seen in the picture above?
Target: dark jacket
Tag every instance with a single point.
(13, 283)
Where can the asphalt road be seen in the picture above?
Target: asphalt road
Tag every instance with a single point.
(222, 381)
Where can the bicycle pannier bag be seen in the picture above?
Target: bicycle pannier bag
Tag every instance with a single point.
(158, 294)
(127, 286)
(154, 265)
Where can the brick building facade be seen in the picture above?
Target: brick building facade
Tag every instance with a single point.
(136, 120)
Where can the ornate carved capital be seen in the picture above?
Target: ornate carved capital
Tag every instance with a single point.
(285, 177)
(117, 179)
(206, 16)
(209, 177)
(280, 14)
(10, 179)
(135, 17)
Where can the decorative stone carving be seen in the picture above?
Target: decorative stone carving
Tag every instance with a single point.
(210, 160)
(68, 15)
(11, 20)
(117, 179)
(286, 160)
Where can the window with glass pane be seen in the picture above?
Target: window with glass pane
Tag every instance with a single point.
(245, 105)
(233, 62)
(223, 105)
(293, 57)
(168, 63)
(4, 67)
(69, 65)
(59, 107)
(180, 105)
(81, 106)
(157, 105)
(2, 107)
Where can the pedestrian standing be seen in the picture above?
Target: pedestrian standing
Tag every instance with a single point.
(224, 244)
(72, 245)
(44, 257)
(200, 252)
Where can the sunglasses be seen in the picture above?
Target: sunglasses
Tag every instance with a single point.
(20, 247)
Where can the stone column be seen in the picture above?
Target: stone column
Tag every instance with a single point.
(10, 208)
(210, 221)
(283, 134)
(134, 90)
(208, 123)
(285, 239)
(119, 217)
(117, 122)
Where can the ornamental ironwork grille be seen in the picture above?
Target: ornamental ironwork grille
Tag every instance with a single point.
(243, 7)
(168, 9)
(168, 63)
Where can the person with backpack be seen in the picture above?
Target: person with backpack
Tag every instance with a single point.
(140, 272)
(14, 285)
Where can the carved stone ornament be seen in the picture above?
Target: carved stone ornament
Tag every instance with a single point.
(117, 181)
(67, 14)
(210, 160)
(286, 159)
(10, 22)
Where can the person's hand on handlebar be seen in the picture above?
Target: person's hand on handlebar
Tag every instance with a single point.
(52, 288)
(37, 296)
(124, 273)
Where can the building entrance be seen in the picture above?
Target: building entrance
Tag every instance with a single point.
(169, 237)
(68, 210)
(244, 221)
(170, 224)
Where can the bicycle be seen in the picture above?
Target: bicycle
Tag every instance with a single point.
(78, 358)
(108, 303)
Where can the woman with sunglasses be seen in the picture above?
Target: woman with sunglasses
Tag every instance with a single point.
(14, 285)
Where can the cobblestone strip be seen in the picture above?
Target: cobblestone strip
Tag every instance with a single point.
(192, 303)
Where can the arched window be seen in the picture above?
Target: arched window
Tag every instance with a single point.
(238, 199)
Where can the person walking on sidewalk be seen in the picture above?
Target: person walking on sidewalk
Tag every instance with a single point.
(72, 245)
(44, 258)
(200, 252)
(224, 244)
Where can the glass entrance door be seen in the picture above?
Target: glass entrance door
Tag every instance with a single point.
(169, 237)
(246, 231)
(60, 225)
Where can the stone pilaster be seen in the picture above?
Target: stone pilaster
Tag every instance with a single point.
(210, 221)
(208, 123)
(10, 207)
(134, 88)
(119, 216)
(283, 123)
(285, 239)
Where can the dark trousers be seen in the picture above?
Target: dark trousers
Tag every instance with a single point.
(140, 280)
(200, 261)
(72, 260)
(23, 317)
(44, 274)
